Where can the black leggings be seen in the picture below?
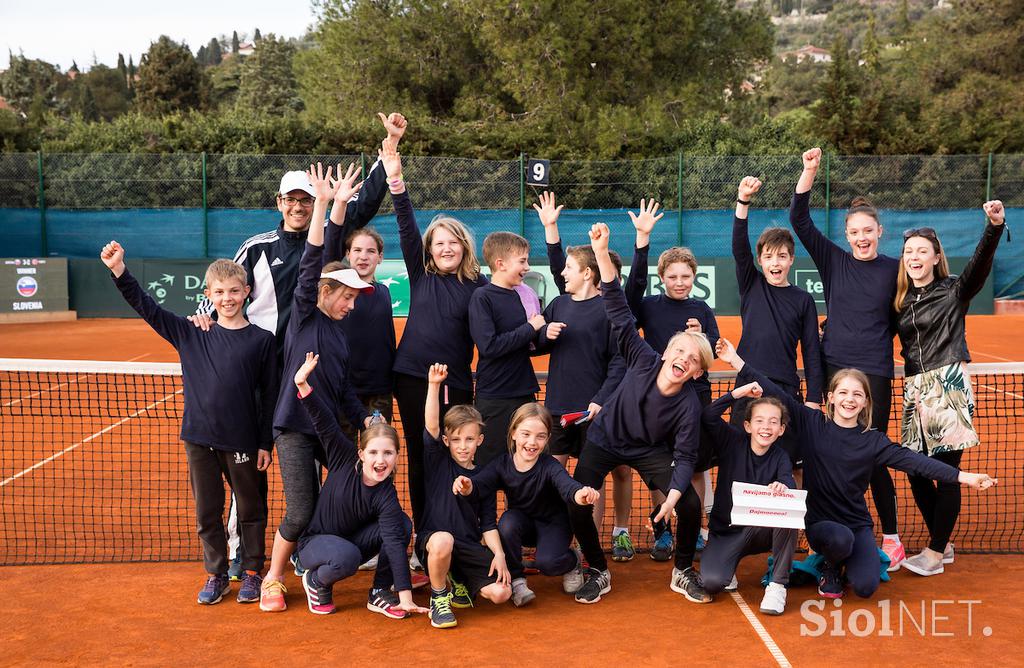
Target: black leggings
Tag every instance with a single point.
(883, 491)
(411, 395)
(939, 502)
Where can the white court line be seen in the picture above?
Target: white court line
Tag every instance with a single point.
(995, 357)
(762, 633)
(59, 385)
(85, 440)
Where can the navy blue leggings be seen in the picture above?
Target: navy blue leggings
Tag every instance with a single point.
(336, 558)
(551, 539)
(854, 549)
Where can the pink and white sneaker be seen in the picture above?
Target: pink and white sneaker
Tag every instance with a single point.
(894, 550)
(385, 602)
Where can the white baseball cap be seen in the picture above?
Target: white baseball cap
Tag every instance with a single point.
(296, 180)
(350, 278)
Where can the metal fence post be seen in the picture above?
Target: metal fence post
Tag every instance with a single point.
(43, 245)
(679, 196)
(988, 180)
(362, 166)
(206, 220)
(522, 194)
(828, 196)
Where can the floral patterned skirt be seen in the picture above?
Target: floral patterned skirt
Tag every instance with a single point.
(938, 410)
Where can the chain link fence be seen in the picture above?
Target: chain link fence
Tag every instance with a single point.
(194, 205)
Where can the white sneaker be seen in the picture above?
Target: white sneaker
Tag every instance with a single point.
(521, 594)
(414, 563)
(774, 601)
(921, 564)
(370, 565)
(733, 584)
(573, 580)
(947, 555)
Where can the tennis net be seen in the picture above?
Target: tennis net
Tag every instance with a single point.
(91, 468)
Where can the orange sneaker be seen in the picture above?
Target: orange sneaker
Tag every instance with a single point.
(894, 550)
(419, 580)
(272, 596)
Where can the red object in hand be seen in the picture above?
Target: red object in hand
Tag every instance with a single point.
(574, 418)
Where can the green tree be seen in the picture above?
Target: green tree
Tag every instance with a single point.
(256, 36)
(121, 67)
(234, 42)
(169, 79)
(214, 52)
(267, 82)
(836, 111)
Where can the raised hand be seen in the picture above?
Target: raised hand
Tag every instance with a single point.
(995, 212)
(812, 159)
(391, 159)
(599, 237)
(323, 188)
(726, 351)
(645, 220)
(546, 210)
(586, 496)
(302, 375)
(346, 186)
(437, 373)
(748, 187)
(749, 390)
(112, 255)
(395, 124)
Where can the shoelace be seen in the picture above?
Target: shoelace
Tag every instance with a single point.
(274, 586)
(443, 603)
(623, 541)
(460, 590)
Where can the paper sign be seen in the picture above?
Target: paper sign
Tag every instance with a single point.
(758, 506)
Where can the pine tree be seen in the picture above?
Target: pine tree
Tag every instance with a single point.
(214, 52)
(89, 110)
(121, 66)
(903, 21)
(256, 36)
(201, 56)
(234, 42)
(871, 49)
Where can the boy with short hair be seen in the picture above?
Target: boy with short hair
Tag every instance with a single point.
(748, 456)
(776, 315)
(452, 527)
(230, 376)
(505, 379)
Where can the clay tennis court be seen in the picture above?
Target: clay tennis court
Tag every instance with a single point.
(145, 613)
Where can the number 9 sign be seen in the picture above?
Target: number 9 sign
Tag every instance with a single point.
(537, 172)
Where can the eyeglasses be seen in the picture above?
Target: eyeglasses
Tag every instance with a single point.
(301, 201)
(926, 232)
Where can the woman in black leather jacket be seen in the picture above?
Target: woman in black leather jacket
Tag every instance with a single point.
(938, 405)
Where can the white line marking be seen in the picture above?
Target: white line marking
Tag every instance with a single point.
(762, 633)
(58, 386)
(995, 357)
(87, 439)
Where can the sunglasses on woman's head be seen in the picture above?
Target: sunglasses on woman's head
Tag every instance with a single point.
(926, 232)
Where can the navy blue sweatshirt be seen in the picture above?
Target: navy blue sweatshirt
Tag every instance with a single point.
(310, 330)
(229, 376)
(838, 461)
(346, 504)
(585, 362)
(737, 462)
(497, 321)
(556, 261)
(661, 317)
(638, 418)
(858, 296)
(466, 518)
(438, 326)
(543, 492)
(370, 328)
(774, 320)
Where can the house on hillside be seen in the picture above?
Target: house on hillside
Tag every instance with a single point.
(814, 53)
(246, 48)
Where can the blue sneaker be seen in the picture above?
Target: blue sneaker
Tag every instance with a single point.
(663, 546)
(701, 542)
(235, 569)
(214, 589)
(622, 547)
(299, 570)
(249, 592)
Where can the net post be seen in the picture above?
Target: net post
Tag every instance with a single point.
(988, 180)
(828, 196)
(679, 198)
(206, 218)
(41, 199)
(522, 194)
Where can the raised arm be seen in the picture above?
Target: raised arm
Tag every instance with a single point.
(972, 278)
(896, 456)
(408, 232)
(746, 269)
(636, 282)
(630, 345)
(817, 244)
(170, 326)
(548, 214)
(345, 190)
(340, 450)
(364, 205)
(711, 417)
(436, 376)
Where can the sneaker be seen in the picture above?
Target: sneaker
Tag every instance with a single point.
(319, 598)
(947, 555)
(272, 596)
(573, 580)
(663, 545)
(414, 563)
(922, 564)
(829, 584)
(418, 580)
(733, 584)
(460, 595)
(214, 589)
(370, 565)
(688, 583)
(622, 547)
(521, 594)
(235, 569)
(299, 570)
(386, 603)
(774, 601)
(597, 584)
(701, 541)
(249, 592)
(530, 561)
(441, 615)
(894, 550)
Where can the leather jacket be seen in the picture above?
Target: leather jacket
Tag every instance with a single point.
(931, 323)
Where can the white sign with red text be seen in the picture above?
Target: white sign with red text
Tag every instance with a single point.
(758, 506)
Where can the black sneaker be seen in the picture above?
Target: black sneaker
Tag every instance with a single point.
(319, 598)
(385, 602)
(441, 615)
(664, 544)
(597, 584)
(830, 584)
(688, 583)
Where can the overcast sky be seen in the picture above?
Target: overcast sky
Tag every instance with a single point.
(59, 31)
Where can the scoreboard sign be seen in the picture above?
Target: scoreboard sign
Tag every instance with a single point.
(30, 285)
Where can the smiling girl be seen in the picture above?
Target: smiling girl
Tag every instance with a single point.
(840, 453)
(938, 404)
(537, 493)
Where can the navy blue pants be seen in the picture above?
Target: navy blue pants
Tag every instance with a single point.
(724, 551)
(853, 548)
(552, 539)
(335, 558)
